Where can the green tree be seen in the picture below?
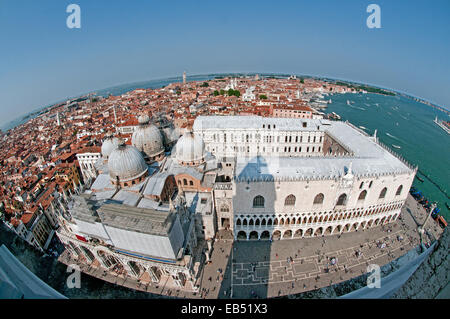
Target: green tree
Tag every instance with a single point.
(263, 97)
(216, 93)
(204, 85)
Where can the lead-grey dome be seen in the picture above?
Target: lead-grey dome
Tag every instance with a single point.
(190, 148)
(126, 163)
(109, 144)
(147, 138)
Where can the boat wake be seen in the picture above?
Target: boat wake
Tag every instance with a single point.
(356, 107)
(392, 136)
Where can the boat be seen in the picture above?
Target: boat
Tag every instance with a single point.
(446, 204)
(362, 127)
(329, 101)
(442, 221)
(334, 116)
(420, 179)
(348, 102)
(396, 146)
(442, 124)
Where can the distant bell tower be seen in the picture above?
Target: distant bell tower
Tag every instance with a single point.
(184, 77)
(58, 122)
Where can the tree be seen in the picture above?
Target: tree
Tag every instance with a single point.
(302, 81)
(204, 85)
(263, 97)
(216, 93)
(232, 92)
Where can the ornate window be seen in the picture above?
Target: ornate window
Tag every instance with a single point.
(318, 199)
(362, 195)
(383, 193)
(224, 209)
(289, 201)
(258, 201)
(399, 190)
(342, 200)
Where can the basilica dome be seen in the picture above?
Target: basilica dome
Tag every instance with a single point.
(147, 138)
(190, 149)
(110, 143)
(126, 164)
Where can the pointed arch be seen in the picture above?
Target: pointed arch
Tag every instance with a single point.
(318, 200)
(290, 200)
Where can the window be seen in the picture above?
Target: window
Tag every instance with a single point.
(362, 195)
(191, 183)
(383, 193)
(318, 199)
(224, 209)
(289, 201)
(342, 200)
(361, 185)
(258, 201)
(203, 201)
(184, 181)
(399, 190)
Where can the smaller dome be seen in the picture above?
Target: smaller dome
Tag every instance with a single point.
(109, 144)
(126, 163)
(190, 148)
(143, 119)
(147, 138)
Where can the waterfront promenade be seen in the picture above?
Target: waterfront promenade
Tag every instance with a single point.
(267, 269)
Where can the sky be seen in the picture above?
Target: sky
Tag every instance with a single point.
(42, 61)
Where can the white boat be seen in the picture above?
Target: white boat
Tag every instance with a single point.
(441, 125)
(396, 146)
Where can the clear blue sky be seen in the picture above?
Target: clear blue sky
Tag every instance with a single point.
(42, 61)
